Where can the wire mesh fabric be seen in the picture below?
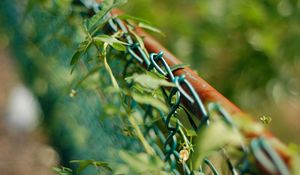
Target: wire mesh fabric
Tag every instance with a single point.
(168, 137)
(186, 145)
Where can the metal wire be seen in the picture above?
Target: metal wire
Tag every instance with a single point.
(262, 151)
(159, 64)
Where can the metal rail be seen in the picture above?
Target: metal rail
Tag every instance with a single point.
(195, 93)
(209, 94)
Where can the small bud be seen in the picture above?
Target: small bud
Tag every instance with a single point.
(73, 93)
(265, 119)
(184, 155)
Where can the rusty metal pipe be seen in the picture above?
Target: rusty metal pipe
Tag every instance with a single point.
(206, 92)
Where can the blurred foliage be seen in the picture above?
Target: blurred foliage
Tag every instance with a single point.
(43, 40)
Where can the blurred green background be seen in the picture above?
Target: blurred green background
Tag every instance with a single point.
(247, 50)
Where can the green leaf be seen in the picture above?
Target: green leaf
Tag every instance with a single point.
(149, 80)
(190, 132)
(83, 164)
(125, 16)
(82, 48)
(62, 171)
(100, 17)
(140, 163)
(138, 39)
(150, 100)
(150, 28)
(247, 125)
(75, 58)
(115, 43)
(108, 39)
(213, 138)
(119, 47)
